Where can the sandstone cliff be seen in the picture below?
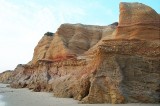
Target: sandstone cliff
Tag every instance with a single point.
(70, 41)
(138, 21)
(5, 76)
(99, 64)
(42, 47)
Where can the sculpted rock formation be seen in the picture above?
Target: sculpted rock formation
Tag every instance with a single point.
(42, 47)
(99, 64)
(60, 54)
(70, 41)
(138, 21)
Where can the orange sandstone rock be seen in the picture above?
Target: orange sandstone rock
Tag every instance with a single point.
(99, 64)
(138, 21)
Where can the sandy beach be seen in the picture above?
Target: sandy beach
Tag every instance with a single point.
(25, 97)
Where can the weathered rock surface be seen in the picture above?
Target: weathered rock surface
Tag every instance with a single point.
(127, 72)
(99, 64)
(5, 76)
(138, 21)
(70, 41)
(42, 47)
(62, 48)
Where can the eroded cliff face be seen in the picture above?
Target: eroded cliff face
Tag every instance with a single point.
(138, 21)
(99, 64)
(60, 55)
(128, 72)
(42, 47)
(70, 41)
(5, 76)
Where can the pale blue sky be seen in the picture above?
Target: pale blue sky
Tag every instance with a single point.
(23, 22)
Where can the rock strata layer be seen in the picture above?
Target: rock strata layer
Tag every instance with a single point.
(118, 63)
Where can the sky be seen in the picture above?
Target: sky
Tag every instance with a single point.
(24, 22)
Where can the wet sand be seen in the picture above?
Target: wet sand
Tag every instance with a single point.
(25, 97)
